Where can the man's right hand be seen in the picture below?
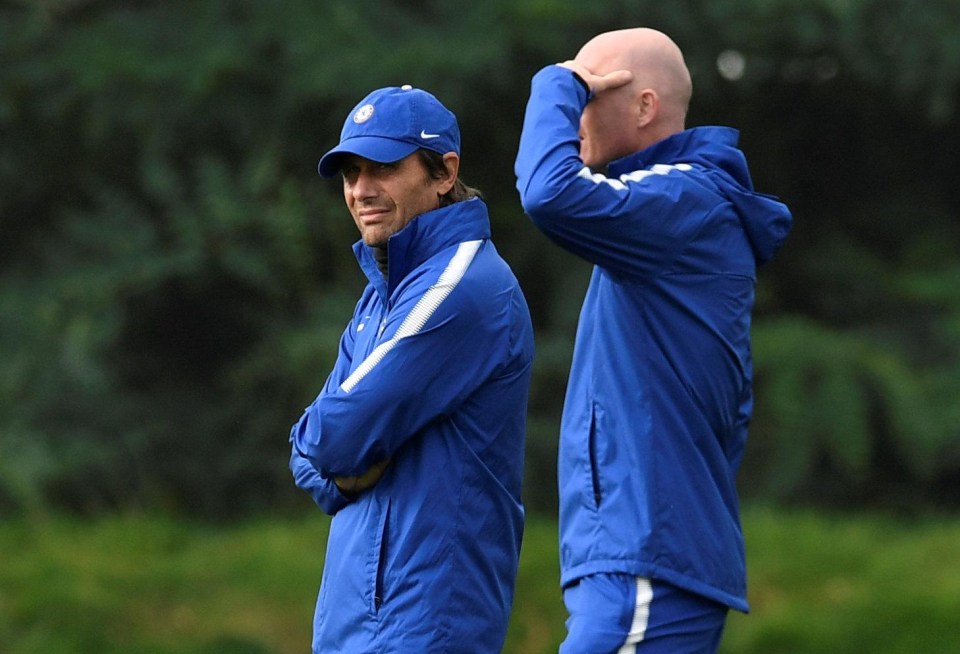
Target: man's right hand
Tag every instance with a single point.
(599, 83)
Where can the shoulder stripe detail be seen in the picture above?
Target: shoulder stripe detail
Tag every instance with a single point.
(417, 318)
(636, 176)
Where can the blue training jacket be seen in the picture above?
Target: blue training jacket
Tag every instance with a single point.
(434, 370)
(659, 397)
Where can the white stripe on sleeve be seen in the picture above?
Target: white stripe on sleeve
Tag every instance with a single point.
(417, 318)
(635, 176)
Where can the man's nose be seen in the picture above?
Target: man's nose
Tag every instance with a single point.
(364, 186)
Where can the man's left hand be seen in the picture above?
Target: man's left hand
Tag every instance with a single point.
(355, 485)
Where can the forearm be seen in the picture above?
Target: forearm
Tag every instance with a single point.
(548, 156)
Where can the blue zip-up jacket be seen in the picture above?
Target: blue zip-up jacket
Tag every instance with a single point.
(659, 397)
(433, 371)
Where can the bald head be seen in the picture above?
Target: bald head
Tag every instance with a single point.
(656, 63)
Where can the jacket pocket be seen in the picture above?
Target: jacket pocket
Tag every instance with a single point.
(592, 456)
(381, 548)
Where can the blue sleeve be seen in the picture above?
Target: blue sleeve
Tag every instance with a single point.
(323, 490)
(632, 224)
(429, 358)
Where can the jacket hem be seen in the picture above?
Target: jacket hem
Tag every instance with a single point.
(736, 601)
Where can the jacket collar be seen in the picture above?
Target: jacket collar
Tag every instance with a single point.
(423, 237)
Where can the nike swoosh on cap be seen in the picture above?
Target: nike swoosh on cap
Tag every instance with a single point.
(424, 135)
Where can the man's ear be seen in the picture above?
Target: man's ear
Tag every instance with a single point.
(648, 105)
(451, 162)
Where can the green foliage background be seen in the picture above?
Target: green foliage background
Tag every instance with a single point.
(154, 585)
(174, 276)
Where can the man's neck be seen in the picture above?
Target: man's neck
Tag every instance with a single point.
(380, 256)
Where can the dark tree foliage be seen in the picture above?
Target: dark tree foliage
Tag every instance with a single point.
(175, 277)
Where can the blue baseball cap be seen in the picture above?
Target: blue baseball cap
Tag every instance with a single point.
(390, 124)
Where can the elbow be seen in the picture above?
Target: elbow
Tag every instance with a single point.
(546, 197)
(540, 203)
(307, 440)
(327, 453)
(547, 189)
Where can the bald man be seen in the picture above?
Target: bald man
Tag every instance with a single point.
(659, 397)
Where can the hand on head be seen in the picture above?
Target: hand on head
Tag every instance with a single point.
(599, 83)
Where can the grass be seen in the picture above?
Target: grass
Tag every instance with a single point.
(849, 584)
(153, 585)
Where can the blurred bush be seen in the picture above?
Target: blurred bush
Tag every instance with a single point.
(175, 277)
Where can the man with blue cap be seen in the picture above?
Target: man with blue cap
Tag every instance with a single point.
(415, 442)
